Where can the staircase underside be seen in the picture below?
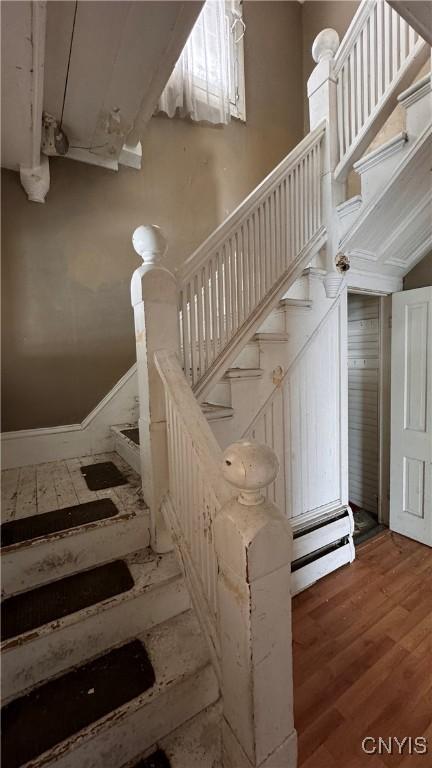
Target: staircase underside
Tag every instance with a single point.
(393, 232)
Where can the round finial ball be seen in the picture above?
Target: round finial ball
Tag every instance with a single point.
(325, 45)
(149, 242)
(249, 466)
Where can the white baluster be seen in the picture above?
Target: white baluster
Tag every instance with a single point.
(253, 546)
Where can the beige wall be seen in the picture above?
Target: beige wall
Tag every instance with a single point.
(68, 329)
(421, 275)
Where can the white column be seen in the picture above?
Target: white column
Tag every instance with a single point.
(322, 93)
(254, 546)
(154, 299)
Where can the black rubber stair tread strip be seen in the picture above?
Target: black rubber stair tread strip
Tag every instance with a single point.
(62, 707)
(157, 759)
(132, 434)
(58, 520)
(102, 475)
(31, 609)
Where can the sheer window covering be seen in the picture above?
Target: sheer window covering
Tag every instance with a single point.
(205, 82)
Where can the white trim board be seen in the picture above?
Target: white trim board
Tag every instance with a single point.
(93, 435)
(373, 282)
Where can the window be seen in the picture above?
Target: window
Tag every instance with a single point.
(208, 80)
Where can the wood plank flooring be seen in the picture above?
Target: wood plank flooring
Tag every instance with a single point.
(42, 488)
(363, 657)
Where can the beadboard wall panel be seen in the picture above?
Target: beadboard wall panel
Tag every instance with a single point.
(305, 422)
(363, 396)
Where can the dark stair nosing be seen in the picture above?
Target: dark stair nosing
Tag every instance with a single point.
(36, 526)
(131, 434)
(102, 475)
(157, 759)
(36, 607)
(60, 708)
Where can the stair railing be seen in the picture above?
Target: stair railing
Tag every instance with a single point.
(354, 88)
(378, 58)
(242, 268)
(235, 548)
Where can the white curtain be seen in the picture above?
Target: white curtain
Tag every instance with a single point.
(199, 84)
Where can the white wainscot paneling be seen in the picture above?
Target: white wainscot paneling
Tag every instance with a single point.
(305, 423)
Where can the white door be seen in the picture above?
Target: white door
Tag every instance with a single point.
(411, 415)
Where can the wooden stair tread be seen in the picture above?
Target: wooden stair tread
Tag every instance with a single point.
(243, 373)
(296, 303)
(53, 601)
(214, 411)
(36, 526)
(271, 336)
(51, 713)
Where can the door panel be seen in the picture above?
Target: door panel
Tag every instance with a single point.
(411, 415)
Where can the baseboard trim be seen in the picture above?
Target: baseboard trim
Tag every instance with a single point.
(93, 435)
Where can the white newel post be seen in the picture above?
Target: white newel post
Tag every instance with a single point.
(254, 546)
(154, 298)
(322, 93)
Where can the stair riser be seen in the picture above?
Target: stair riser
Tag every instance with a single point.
(249, 357)
(274, 323)
(29, 565)
(372, 180)
(126, 734)
(418, 108)
(221, 393)
(419, 115)
(128, 451)
(72, 641)
(300, 289)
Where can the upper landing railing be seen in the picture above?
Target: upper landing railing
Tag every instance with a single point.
(378, 57)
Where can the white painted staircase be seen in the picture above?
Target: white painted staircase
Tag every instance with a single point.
(176, 660)
(152, 609)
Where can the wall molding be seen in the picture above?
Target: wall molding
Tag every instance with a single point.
(381, 153)
(373, 282)
(92, 435)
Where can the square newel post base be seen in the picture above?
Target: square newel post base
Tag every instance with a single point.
(233, 756)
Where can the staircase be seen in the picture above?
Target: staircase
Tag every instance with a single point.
(96, 627)
(118, 651)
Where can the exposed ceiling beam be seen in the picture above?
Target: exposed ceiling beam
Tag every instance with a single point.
(118, 57)
(23, 66)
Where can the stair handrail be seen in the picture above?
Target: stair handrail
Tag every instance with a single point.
(198, 257)
(378, 57)
(235, 548)
(196, 491)
(226, 281)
